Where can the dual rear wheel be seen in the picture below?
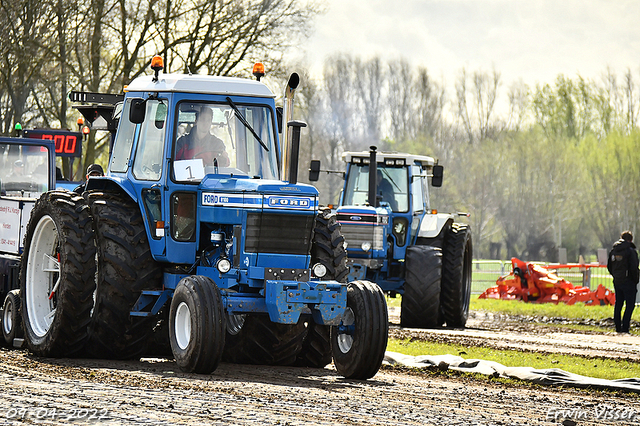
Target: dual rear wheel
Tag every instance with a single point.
(437, 285)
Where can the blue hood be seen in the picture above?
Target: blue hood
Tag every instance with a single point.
(264, 186)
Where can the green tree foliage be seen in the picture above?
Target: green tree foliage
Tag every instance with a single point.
(611, 184)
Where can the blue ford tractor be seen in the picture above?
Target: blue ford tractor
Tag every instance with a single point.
(396, 240)
(199, 238)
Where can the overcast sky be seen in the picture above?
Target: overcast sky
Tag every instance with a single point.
(532, 40)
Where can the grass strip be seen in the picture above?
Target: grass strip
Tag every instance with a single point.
(561, 310)
(590, 367)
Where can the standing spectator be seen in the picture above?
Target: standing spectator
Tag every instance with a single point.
(92, 170)
(623, 266)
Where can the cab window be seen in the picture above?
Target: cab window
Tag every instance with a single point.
(417, 197)
(392, 184)
(150, 147)
(124, 141)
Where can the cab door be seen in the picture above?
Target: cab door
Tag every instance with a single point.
(418, 205)
(148, 170)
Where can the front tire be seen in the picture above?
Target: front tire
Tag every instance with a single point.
(11, 320)
(456, 275)
(197, 325)
(57, 275)
(359, 342)
(327, 249)
(421, 298)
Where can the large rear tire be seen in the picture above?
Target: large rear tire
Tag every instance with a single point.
(359, 342)
(11, 320)
(327, 249)
(316, 346)
(456, 275)
(197, 325)
(263, 342)
(125, 268)
(328, 246)
(420, 306)
(57, 275)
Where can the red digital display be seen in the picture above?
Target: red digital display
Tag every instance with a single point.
(68, 144)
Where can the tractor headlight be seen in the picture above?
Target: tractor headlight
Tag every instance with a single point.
(223, 265)
(366, 246)
(319, 270)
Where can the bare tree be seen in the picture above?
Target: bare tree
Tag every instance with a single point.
(479, 105)
(26, 27)
(400, 100)
(370, 79)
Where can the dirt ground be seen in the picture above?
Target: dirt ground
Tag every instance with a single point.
(154, 391)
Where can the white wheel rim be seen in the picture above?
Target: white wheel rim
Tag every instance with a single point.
(7, 318)
(182, 325)
(345, 341)
(43, 276)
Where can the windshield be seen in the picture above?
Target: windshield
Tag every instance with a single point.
(392, 187)
(24, 170)
(224, 138)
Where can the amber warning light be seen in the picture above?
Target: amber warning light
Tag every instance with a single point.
(156, 65)
(258, 70)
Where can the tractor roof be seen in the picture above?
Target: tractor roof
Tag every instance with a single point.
(423, 160)
(204, 84)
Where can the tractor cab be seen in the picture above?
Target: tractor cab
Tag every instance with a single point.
(387, 208)
(395, 239)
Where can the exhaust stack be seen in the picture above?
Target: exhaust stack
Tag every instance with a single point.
(373, 178)
(287, 131)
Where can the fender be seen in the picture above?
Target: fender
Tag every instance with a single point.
(431, 225)
(112, 183)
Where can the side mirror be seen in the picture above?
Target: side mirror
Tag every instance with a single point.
(314, 170)
(436, 180)
(137, 111)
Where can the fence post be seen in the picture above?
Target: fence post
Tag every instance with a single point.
(586, 278)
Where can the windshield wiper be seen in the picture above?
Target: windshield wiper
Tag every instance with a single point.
(386, 173)
(246, 123)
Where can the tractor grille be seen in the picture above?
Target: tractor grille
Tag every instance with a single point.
(355, 235)
(279, 233)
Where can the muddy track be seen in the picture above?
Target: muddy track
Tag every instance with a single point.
(154, 392)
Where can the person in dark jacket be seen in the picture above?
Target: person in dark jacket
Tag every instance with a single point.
(623, 266)
(92, 170)
(386, 192)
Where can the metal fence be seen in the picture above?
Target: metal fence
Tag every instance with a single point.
(486, 272)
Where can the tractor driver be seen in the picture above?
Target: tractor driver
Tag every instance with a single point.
(385, 191)
(200, 143)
